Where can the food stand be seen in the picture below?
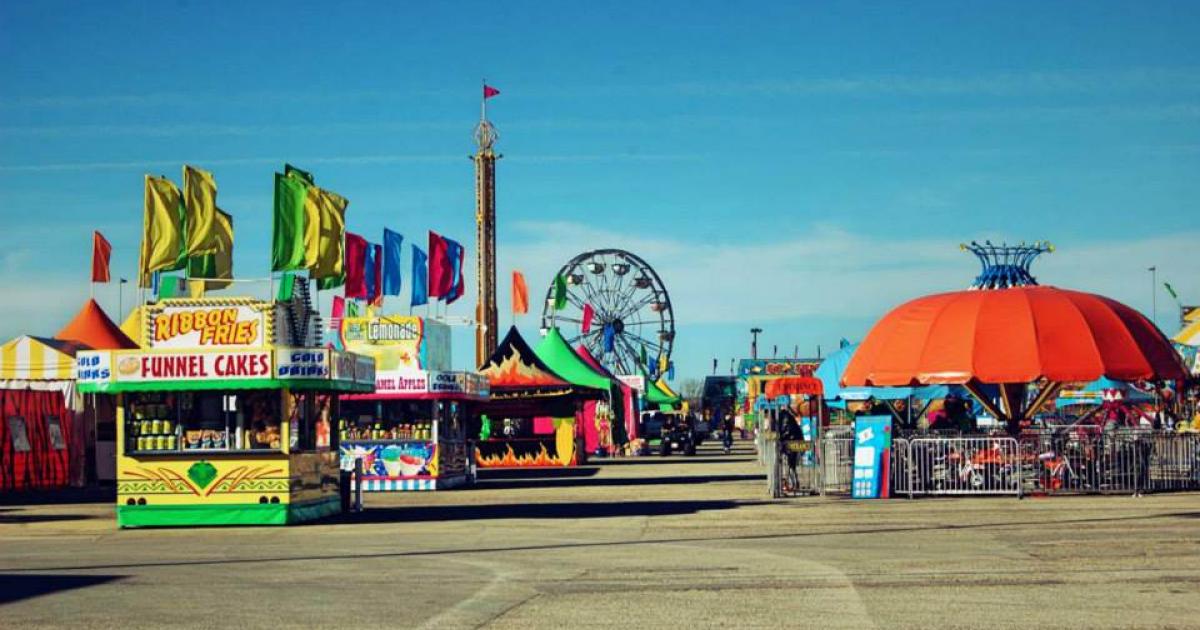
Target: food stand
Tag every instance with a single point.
(532, 416)
(225, 418)
(411, 433)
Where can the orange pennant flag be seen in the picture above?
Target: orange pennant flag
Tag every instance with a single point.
(520, 294)
(101, 253)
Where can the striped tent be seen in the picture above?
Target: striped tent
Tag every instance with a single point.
(1190, 334)
(42, 442)
(29, 358)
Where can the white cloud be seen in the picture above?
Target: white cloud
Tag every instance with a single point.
(835, 273)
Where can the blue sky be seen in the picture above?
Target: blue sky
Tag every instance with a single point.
(799, 166)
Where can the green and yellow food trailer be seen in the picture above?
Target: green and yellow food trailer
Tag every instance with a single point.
(218, 425)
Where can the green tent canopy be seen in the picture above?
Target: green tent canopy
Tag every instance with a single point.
(558, 355)
(656, 396)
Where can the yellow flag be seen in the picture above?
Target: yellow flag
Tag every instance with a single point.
(162, 229)
(200, 209)
(331, 209)
(312, 227)
(212, 272)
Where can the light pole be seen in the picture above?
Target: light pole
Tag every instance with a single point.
(1153, 294)
(754, 342)
(121, 298)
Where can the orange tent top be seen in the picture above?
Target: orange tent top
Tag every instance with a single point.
(94, 329)
(1014, 335)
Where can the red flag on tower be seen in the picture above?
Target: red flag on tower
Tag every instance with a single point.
(489, 91)
(441, 267)
(101, 253)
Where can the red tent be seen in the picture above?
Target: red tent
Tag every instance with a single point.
(92, 328)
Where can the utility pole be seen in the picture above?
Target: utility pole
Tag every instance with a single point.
(1154, 294)
(756, 331)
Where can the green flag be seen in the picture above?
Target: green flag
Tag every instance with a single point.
(351, 308)
(287, 241)
(290, 170)
(645, 360)
(331, 282)
(170, 286)
(286, 287)
(1170, 290)
(560, 292)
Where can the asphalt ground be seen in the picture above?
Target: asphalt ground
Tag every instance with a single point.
(647, 542)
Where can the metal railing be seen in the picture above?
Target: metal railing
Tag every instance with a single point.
(962, 465)
(1071, 460)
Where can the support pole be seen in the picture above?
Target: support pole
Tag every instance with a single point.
(973, 389)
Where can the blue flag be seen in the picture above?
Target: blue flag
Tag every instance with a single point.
(454, 251)
(371, 278)
(392, 246)
(420, 277)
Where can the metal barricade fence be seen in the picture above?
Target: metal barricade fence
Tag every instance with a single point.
(1174, 462)
(900, 467)
(1084, 460)
(837, 464)
(796, 473)
(963, 465)
(1052, 461)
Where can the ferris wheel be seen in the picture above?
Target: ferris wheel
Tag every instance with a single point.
(631, 324)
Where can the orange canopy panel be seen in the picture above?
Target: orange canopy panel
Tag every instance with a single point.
(794, 386)
(94, 329)
(1014, 335)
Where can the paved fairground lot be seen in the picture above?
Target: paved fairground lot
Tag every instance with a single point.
(650, 542)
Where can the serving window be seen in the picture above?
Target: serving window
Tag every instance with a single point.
(389, 420)
(171, 422)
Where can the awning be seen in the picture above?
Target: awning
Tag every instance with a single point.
(38, 359)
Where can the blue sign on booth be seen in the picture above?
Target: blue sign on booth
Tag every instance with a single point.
(872, 453)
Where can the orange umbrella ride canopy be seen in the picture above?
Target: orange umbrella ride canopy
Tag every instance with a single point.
(1013, 335)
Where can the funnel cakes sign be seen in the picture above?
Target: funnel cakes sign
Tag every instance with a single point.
(202, 324)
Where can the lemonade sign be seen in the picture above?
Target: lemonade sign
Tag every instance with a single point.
(398, 342)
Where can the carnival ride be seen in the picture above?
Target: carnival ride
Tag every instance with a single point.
(1009, 332)
(616, 306)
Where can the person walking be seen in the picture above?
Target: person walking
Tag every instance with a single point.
(727, 433)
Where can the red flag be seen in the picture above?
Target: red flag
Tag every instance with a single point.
(441, 267)
(489, 91)
(520, 294)
(356, 258)
(376, 296)
(101, 253)
(337, 312)
(588, 314)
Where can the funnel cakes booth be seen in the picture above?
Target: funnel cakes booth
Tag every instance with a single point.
(411, 432)
(225, 417)
(533, 417)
